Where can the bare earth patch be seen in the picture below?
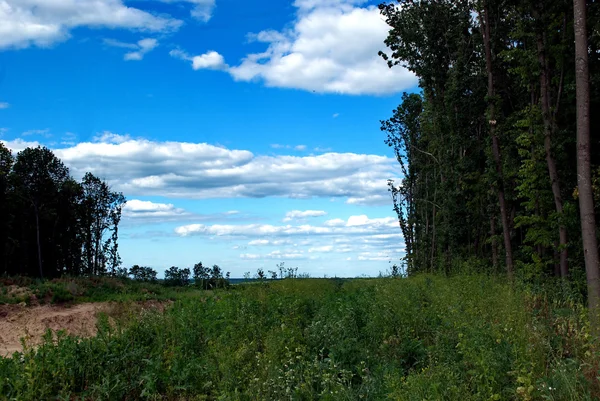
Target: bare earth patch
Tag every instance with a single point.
(31, 322)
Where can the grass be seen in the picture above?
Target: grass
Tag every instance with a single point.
(93, 289)
(467, 337)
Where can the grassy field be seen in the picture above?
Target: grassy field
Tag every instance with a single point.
(94, 289)
(422, 338)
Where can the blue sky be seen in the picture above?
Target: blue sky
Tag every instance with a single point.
(243, 134)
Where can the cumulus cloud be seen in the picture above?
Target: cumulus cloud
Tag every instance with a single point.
(24, 23)
(207, 61)
(369, 239)
(139, 167)
(139, 49)
(331, 47)
(300, 215)
(4, 105)
(355, 225)
(147, 211)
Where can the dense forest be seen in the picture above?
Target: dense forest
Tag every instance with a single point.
(50, 224)
(499, 170)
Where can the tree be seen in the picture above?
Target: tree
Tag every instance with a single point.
(141, 273)
(175, 276)
(38, 176)
(6, 163)
(260, 274)
(486, 22)
(584, 180)
(102, 210)
(201, 275)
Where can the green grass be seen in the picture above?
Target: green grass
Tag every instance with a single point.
(93, 289)
(422, 338)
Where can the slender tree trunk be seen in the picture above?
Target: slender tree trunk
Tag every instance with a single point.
(39, 245)
(549, 125)
(495, 141)
(584, 176)
(494, 244)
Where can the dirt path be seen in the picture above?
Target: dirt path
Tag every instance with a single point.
(18, 321)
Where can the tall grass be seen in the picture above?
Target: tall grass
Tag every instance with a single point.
(424, 338)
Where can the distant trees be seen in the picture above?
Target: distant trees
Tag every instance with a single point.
(209, 278)
(175, 276)
(142, 273)
(50, 224)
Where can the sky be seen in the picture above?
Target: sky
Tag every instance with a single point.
(243, 134)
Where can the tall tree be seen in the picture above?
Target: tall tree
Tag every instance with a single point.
(101, 214)
(38, 177)
(485, 21)
(6, 162)
(584, 176)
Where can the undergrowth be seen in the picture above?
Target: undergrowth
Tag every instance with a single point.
(466, 337)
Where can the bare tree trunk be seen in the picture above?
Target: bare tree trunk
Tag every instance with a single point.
(39, 245)
(584, 177)
(495, 142)
(548, 133)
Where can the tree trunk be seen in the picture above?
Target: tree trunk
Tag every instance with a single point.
(39, 245)
(494, 244)
(584, 177)
(549, 125)
(495, 142)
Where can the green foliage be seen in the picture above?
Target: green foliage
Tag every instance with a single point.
(468, 337)
(53, 225)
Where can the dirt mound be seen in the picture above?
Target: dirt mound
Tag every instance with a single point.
(18, 321)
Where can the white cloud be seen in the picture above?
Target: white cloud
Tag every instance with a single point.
(336, 115)
(147, 211)
(118, 43)
(274, 255)
(44, 22)
(331, 48)
(140, 48)
(355, 225)
(361, 237)
(300, 215)
(17, 145)
(210, 60)
(39, 132)
(259, 242)
(4, 105)
(201, 9)
(325, 248)
(109, 137)
(140, 167)
(296, 147)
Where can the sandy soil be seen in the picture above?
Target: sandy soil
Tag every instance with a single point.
(31, 322)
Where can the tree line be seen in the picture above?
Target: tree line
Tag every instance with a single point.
(497, 159)
(51, 224)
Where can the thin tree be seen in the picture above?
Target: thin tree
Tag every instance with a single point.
(584, 177)
(484, 16)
